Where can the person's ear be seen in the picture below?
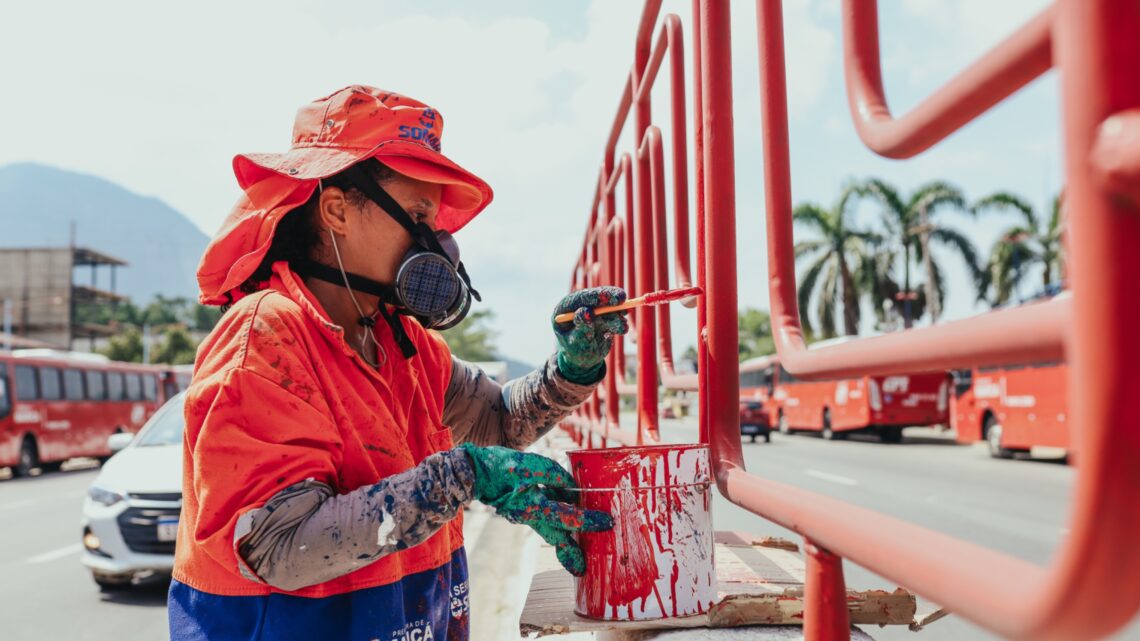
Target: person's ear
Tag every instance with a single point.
(332, 210)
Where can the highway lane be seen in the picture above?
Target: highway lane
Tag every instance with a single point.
(1017, 506)
(46, 593)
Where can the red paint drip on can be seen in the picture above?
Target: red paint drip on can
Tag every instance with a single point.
(657, 561)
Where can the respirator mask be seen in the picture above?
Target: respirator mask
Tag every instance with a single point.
(431, 283)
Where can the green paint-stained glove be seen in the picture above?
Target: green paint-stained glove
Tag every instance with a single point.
(584, 343)
(533, 490)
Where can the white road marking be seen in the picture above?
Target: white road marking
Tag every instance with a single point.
(56, 554)
(834, 478)
(17, 504)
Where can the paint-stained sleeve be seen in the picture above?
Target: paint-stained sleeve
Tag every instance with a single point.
(307, 534)
(481, 411)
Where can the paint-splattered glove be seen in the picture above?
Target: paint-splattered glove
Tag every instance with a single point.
(533, 490)
(584, 343)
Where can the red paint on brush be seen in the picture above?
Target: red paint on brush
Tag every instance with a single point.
(670, 295)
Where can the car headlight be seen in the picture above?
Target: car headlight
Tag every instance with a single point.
(103, 496)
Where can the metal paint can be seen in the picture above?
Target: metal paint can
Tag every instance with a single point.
(657, 562)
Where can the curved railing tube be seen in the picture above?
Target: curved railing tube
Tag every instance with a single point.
(1008, 67)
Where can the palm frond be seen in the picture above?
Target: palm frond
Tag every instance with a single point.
(814, 217)
(851, 191)
(889, 197)
(935, 195)
(828, 301)
(1007, 201)
(805, 247)
(807, 287)
(963, 246)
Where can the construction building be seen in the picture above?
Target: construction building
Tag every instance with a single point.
(44, 304)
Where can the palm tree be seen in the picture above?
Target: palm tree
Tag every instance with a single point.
(911, 225)
(1022, 245)
(832, 256)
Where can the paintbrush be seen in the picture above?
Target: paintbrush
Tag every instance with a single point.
(652, 298)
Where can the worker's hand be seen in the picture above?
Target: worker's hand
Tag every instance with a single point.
(534, 490)
(584, 342)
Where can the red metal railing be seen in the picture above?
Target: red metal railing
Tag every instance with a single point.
(1090, 588)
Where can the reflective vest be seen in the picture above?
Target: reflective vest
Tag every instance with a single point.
(279, 397)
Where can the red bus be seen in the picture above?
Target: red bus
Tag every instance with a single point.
(60, 405)
(880, 404)
(1014, 408)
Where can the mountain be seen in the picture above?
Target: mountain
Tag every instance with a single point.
(160, 245)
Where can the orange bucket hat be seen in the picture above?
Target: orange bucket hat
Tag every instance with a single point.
(330, 135)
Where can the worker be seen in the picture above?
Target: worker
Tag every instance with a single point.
(322, 485)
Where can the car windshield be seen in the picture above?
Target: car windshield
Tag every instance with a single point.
(165, 428)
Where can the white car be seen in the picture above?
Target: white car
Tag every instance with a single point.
(130, 516)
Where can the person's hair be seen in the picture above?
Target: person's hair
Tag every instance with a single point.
(298, 235)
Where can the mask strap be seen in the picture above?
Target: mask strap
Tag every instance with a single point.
(467, 279)
(367, 321)
(358, 176)
(407, 348)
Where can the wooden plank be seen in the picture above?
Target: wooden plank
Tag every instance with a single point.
(757, 585)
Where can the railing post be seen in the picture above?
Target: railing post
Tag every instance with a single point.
(699, 201)
(643, 244)
(825, 596)
(722, 381)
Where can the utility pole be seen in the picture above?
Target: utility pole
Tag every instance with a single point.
(7, 324)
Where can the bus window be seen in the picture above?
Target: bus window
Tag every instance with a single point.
(769, 381)
(785, 377)
(134, 387)
(50, 389)
(73, 385)
(963, 380)
(96, 385)
(26, 387)
(5, 401)
(150, 387)
(115, 386)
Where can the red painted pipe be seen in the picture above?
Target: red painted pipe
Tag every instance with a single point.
(825, 596)
(1008, 67)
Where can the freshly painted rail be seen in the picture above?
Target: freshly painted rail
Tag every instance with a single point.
(1090, 588)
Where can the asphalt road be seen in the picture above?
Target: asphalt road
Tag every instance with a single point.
(45, 593)
(1015, 506)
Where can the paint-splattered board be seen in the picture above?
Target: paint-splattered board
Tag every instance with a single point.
(760, 582)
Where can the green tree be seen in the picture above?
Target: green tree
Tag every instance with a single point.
(911, 225)
(1022, 246)
(126, 346)
(832, 255)
(473, 339)
(206, 317)
(177, 347)
(755, 328)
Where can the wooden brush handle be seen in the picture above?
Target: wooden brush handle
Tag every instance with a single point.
(566, 317)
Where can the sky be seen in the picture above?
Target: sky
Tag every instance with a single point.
(160, 97)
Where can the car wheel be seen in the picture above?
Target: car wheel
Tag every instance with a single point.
(111, 582)
(782, 424)
(53, 466)
(29, 458)
(890, 434)
(993, 440)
